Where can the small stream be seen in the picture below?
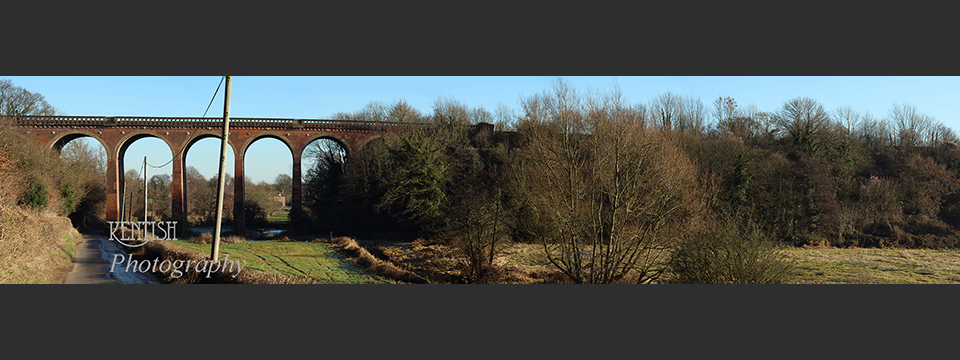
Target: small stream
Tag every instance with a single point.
(252, 234)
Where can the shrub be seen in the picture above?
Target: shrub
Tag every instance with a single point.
(70, 198)
(35, 196)
(253, 212)
(731, 254)
(924, 184)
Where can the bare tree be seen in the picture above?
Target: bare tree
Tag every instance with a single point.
(504, 118)
(202, 196)
(17, 101)
(481, 115)
(724, 111)
(874, 132)
(86, 159)
(607, 187)
(133, 185)
(760, 123)
(848, 118)
(325, 153)
(804, 120)
(373, 111)
(912, 128)
(283, 183)
(404, 113)
(666, 111)
(450, 112)
(694, 116)
(730, 119)
(942, 134)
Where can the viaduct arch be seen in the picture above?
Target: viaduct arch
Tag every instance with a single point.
(117, 133)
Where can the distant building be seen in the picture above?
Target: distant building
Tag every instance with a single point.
(282, 199)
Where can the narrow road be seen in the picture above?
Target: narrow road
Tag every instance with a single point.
(92, 263)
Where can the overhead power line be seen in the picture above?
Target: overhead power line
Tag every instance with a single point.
(214, 96)
(215, 92)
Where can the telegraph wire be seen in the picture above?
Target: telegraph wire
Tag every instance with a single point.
(204, 115)
(214, 96)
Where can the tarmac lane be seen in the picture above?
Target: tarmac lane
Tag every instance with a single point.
(92, 263)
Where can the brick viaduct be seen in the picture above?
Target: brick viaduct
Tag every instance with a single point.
(117, 133)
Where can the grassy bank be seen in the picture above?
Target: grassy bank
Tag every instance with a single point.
(35, 249)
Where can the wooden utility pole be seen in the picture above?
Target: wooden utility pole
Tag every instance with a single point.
(144, 234)
(223, 170)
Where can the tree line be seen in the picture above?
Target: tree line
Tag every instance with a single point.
(671, 190)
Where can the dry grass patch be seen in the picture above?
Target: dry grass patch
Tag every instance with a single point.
(35, 249)
(527, 264)
(207, 238)
(876, 266)
(514, 264)
(374, 265)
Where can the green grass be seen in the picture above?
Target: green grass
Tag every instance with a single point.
(314, 260)
(71, 247)
(876, 266)
(279, 216)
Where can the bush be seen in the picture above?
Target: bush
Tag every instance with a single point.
(70, 198)
(728, 255)
(207, 238)
(35, 196)
(253, 212)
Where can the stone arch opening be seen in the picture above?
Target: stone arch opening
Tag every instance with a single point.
(324, 149)
(325, 160)
(201, 166)
(85, 157)
(270, 192)
(158, 185)
(327, 138)
(59, 142)
(378, 139)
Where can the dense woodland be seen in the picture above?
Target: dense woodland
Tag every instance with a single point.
(674, 189)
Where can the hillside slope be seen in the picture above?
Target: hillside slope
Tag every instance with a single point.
(35, 249)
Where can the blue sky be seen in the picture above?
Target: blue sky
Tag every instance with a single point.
(320, 97)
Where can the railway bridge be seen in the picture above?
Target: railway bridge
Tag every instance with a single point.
(117, 133)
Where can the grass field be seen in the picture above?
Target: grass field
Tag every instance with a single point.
(811, 266)
(314, 260)
(876, 266)
(279, 216)
(827, 266)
